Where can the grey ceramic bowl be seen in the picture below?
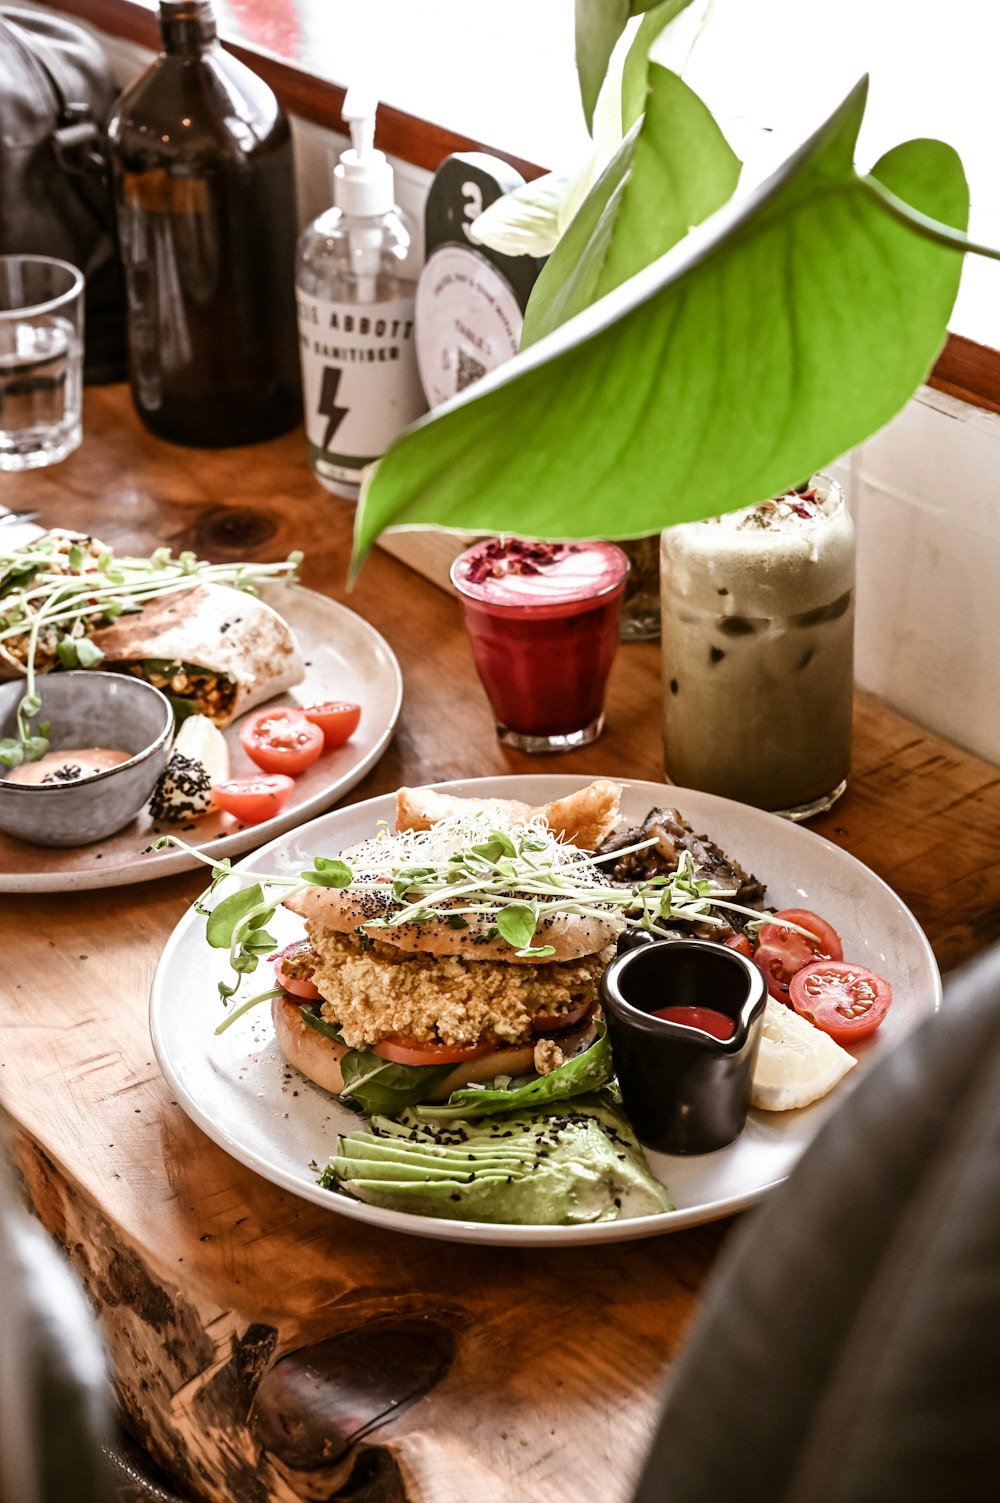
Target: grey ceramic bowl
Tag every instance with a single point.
(88, 708)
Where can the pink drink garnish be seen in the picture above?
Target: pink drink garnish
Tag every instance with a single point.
(500, 557)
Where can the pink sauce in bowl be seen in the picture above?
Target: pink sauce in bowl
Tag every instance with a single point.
(543, 623)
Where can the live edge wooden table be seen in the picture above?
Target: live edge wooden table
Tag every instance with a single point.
(420, 1372)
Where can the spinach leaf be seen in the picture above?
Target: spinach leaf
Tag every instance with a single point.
(373, 1083)
(586, 1072)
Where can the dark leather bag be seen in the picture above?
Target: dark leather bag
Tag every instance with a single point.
(56, 93)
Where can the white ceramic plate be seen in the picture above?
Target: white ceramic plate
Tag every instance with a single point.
(238, 1090)
(345, 659)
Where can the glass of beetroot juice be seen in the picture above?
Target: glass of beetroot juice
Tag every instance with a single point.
(543, 622)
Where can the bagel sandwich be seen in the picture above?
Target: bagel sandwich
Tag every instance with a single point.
(440, 990)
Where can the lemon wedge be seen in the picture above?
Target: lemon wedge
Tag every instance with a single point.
(797, 1063)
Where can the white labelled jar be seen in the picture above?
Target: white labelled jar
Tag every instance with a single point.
(758, 655)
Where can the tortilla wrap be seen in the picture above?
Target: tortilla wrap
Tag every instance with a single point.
(225, 632)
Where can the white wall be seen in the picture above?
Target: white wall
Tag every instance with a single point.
(926, 500)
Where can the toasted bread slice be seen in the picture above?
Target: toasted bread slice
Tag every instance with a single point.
(585, 817)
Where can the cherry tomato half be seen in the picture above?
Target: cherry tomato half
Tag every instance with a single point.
(741, 943)
(296, 986)
(281, 739)
(421, 1052)
(337, 719)
(847, 1001)
(252, 800)
(781, 951)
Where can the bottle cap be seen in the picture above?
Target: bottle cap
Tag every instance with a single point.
(182, 18)
(362, 179)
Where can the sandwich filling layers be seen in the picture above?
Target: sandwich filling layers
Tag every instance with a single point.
(374, 991)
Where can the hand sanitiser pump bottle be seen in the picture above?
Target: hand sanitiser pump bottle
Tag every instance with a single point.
(355, 286)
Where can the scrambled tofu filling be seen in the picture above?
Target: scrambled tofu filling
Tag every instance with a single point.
(378, 991)
(548, 1056)
(17, 650)
(211, 694)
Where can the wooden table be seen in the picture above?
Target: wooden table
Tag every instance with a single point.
(417, 1372)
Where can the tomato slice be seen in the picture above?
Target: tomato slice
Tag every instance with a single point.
(281, 739)
(741, 943)
(296, 986)
(781, 951)
(422, 1052)
(252, 800)
(847, 1001)
(828, 946)
(546, 1022)
(337, 719)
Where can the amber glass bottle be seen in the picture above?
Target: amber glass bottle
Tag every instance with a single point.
(205, 198)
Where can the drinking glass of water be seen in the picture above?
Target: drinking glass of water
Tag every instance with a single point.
(41, 360)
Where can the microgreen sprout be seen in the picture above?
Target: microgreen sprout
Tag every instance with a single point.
(509, 883)
(59, 588)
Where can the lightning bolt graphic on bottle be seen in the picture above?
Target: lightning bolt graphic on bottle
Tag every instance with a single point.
(328, 403)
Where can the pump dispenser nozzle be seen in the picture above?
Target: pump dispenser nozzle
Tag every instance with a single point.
(359, 116)
(362, 179)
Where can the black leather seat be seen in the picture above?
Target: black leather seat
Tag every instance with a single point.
(848, 1350)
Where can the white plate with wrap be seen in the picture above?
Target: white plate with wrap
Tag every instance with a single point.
(345, 659)
(237, 1088)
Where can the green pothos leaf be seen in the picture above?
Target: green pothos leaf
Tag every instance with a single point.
(672, 171)
(772, 339)
(635, 74)
(599, 24)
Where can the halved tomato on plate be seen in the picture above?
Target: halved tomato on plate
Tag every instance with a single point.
(846, 1001)
(252, 800)
(281, 739)
(336, 718)
(782, 951)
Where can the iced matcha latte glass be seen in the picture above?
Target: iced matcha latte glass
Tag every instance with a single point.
(758, 651)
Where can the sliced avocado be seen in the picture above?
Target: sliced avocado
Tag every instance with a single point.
(361, 1153)
(368, 1168)
(546, 1168)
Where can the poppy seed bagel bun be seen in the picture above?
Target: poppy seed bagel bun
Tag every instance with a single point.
(317, 1056)
(340, 910)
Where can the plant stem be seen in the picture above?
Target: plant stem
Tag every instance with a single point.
(931, 229)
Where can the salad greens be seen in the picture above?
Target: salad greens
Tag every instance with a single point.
(587, 1071)
(58, 588)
